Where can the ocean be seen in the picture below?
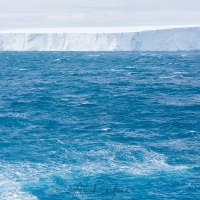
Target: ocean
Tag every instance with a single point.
(99, 125)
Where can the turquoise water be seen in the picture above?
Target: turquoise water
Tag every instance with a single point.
(118, 125)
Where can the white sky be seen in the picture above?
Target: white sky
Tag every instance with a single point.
(73, 13)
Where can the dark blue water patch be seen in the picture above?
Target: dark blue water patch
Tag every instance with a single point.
(73, 120)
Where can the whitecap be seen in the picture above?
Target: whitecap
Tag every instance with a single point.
(105, 129)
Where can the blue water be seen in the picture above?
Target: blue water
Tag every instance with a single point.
(118, 125)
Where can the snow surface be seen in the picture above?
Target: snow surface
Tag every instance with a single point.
(146, 38)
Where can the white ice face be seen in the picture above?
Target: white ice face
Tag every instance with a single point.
(159, 38)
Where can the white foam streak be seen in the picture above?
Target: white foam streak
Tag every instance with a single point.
(115, 158)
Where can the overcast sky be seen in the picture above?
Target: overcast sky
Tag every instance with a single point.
(70, 13)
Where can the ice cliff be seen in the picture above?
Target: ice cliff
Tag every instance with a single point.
(172, 38)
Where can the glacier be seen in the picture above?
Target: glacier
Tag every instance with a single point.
(163, 38)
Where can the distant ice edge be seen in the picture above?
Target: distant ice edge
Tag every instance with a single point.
(174, 39)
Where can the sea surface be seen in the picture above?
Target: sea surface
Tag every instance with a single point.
(99, 125)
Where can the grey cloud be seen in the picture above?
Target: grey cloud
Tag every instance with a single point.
(62, 13)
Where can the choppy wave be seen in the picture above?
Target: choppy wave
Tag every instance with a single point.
(130, 119)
